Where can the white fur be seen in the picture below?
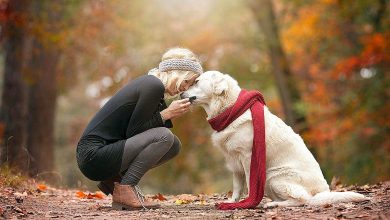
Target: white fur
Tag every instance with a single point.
(293, 176)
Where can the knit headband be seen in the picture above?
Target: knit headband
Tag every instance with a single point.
(180, 64)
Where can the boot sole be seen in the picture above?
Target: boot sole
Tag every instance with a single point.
(119, 206)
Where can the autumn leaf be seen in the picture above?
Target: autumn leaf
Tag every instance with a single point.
(185, 199)
(99, 195)
(202, 202)
(159, 196)
(41, 187)
(181, 201)
(82, 195)
(90, 196)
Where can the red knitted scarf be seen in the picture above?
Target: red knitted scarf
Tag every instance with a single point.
(255, 101)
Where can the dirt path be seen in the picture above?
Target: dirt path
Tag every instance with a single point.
(65, 204)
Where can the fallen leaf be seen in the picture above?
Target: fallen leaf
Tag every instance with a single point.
(41, 187)
(19, 210)
(99, 195)
(327, 205)
(181, 202)
(202, 202)
(187, 197)
(159, 196)
(82, 195)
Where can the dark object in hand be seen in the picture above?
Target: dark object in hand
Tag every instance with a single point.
(192, 98)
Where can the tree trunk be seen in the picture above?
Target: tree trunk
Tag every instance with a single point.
(43, 91)
(42, 102)
(264, 14)
(14, 97)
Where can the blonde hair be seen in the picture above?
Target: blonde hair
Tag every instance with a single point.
(179, 75)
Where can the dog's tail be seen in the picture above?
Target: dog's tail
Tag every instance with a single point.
(324, 198)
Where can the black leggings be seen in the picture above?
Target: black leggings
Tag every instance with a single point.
(145, 151)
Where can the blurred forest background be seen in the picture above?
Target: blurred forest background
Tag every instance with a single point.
(323, 66)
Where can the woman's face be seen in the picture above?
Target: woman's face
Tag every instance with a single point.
(171, 89)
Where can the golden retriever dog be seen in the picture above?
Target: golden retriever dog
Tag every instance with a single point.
(293, 176)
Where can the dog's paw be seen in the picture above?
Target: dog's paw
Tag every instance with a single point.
(270, 205)
(286, 203)
(231, 200)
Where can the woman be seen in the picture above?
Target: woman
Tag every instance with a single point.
(129, 135)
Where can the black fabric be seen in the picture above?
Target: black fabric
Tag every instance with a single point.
(132, 110)
(97, 159)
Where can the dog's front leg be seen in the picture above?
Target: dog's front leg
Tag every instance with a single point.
(246, 163)
(238, 186)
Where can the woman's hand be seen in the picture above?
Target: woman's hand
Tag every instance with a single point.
(176, 109)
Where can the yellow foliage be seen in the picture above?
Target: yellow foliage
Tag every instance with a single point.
(10, 177)
(304, 28)
(329, 2)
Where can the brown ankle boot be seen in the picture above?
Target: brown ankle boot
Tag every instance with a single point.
(107, 186)
(126, 197)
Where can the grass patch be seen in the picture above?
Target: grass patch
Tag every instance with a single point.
(9, 177)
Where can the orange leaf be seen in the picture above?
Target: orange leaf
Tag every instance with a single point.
(80, 195)
(96, 195)
(159, 196)
(187, 197)
(41, 187)
(99, 195)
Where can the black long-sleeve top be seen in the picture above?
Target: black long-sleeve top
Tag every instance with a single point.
(133, 109)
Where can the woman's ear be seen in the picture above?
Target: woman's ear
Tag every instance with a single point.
(220, 86)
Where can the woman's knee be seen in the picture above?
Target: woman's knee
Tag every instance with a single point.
(175, 149)
(164, 135)
(172, 152)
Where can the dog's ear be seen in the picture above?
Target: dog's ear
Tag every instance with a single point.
(221, 85)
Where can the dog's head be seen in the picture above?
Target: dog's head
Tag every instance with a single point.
(213, 89)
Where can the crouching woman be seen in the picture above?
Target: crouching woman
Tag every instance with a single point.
(129, 135)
